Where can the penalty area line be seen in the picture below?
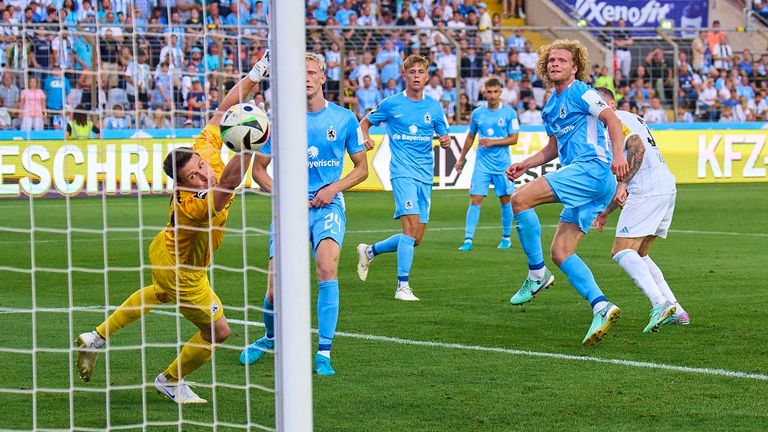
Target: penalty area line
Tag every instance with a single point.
(457, 346)
(516, 352)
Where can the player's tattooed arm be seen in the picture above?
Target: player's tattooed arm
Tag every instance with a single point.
(635, 152)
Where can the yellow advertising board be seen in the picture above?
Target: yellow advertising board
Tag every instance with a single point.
(130, 165)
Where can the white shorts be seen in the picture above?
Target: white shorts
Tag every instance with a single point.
(646, 216)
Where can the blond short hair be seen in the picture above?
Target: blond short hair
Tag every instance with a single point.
(577, 50)
(413, 60)
(317, 58)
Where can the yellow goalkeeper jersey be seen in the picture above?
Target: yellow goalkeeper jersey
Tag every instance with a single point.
(195, 230)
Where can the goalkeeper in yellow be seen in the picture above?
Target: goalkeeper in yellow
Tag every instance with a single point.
(181, 253)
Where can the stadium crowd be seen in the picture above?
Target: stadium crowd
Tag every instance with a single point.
(166, 63)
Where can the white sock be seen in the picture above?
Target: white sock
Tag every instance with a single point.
(401, 284)
(633, 265)
(100, 341)
(599, 306)
(325, 353)
(658, 276)
(537, 274)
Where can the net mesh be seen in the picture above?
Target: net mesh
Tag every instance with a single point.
(125, 85)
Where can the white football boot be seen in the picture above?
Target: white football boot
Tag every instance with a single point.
(88, 347)
(179, 391)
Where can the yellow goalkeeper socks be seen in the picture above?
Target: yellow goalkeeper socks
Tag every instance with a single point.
(196, 352)
(132, 309)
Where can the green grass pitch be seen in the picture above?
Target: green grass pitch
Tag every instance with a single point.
(464, 358)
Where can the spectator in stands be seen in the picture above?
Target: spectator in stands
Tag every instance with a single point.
(56, 88)
(116, 120)
(726, 115)
(706, 105)
(449, 93)
(659, 71)
(389, 62)
(434, 89)
(61, 49)
(622, 39)
(484, 26)
(761, 107)
(165, 83)
(516, 41)
(526, 91)
(499, 58)
(510, 94)
(465, 109)
(532, 115)
(422, 19)
(196, 102)
(159, 120)
(722, 53)
(684, 115)
(655, 113)
(447, 63)
(699, 48)
(211, 59)
(6, 121)
(32, 102)
(471, 72)
(687, 84)
(81, 127)
(390, 89)
(405, 19)
(744, 89)
(528, 58)
(713, 37)
(9, 93)
(109, 49)
(333, 71)
(365, 68)
(138, 78)
(368, 97)
(605, 79)
(171, 53)
(86, 10)
(457, 24)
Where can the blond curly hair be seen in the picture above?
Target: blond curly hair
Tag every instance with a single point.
(577, 50)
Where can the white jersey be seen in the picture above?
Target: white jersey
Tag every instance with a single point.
(653, 177)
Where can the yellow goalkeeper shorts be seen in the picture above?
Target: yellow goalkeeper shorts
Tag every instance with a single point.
(189, 288)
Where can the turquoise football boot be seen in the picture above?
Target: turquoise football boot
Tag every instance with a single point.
(466, 246)
(505, 243)
(601, 323)
(659, 315)
(323, 365)
(532, 287)
(253, 352)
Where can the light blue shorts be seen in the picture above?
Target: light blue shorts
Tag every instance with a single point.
(481, 182)
(324, 222)
(584, 188)
(411, 197)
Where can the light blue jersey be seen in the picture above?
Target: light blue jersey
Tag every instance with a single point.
(571, 117)
(330, 132)
(411, 125)
(493, 124)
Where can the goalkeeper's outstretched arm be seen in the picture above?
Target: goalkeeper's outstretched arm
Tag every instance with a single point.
(239, 93)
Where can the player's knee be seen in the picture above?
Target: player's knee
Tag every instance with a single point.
(476, 199)
(326, 270)
(518, 203)
(558, 255)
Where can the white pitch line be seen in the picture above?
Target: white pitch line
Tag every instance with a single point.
(457, 346)
(380, 231)
(516, 352)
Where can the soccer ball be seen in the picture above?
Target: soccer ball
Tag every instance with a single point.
(244, 127)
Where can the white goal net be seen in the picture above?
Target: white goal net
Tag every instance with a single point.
(106, 89)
